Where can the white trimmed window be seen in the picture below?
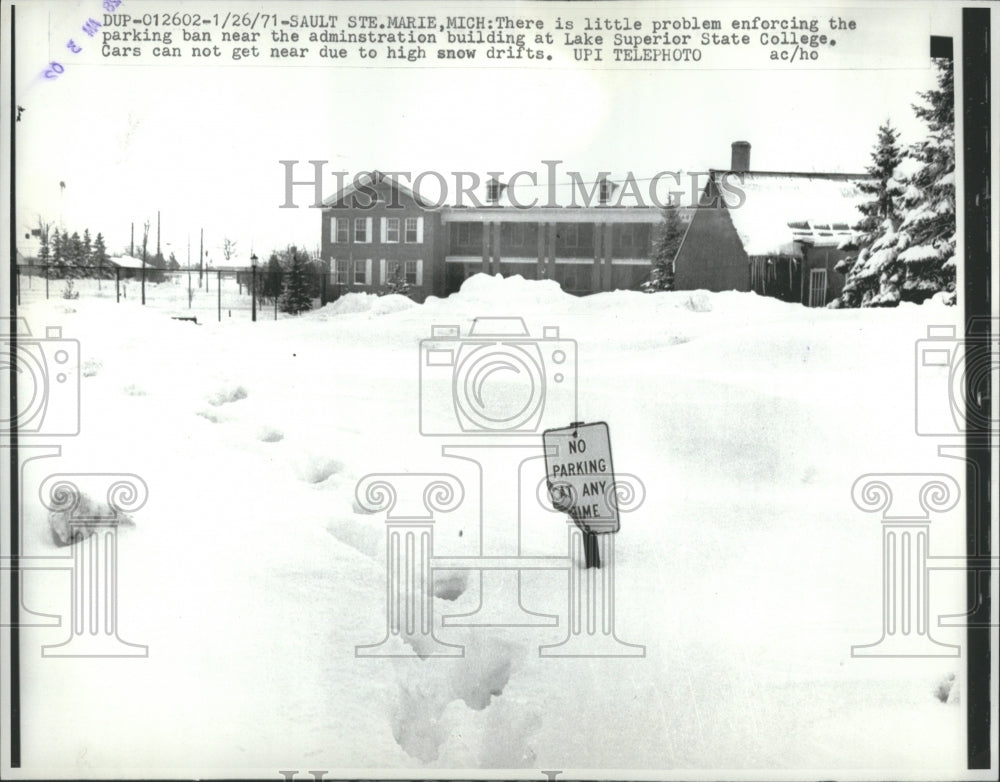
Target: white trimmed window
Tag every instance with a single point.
(414, 271)
(362, 230)
(342, 270)
(341, 230)
(362, 272)
(414, 230)
(390, 230)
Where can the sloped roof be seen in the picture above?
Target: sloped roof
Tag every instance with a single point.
(127, 262)
(375, 178)
(783, 208)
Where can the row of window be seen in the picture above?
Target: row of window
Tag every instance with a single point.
(348, 272)
(567, 234)
(395, 230)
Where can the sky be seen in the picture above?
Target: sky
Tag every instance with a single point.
(201, 144)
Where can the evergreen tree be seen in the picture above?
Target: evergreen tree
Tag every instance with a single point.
(877, 228)
(58, 262)
(271, 287)
(927, 233)
(99, 253)
(295, 296)
(44, 249)
(155, 266)
(74, 256)
(912, 255)
(395, 280)
(87, 251)
(668, 241)
(172, 263)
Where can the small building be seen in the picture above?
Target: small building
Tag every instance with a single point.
(126, 267)
(127, 262)
(777, 233)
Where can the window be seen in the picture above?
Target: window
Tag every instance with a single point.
(468, 235)
(362, 230)
(341, 230)
(514, 234)
(361, 272)
(342, 270)
(628, 236)
(391, 230)
(414, 230)
(570, 235)
(411, 272)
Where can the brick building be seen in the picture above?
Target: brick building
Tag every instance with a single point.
(366, 238)
(778, 233)
(781, 236)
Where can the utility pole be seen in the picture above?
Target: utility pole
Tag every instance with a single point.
(201, 255)
(145, 236)
(131, 243)
(189, 271)
(157, 233)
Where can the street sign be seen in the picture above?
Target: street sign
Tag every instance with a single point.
(580, 475)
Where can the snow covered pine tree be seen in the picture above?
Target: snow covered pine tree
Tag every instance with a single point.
(396, 282)
(668, 241)
(927, 234)
(877, 229)
(910, 255)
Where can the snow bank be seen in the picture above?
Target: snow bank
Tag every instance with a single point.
(354, 303)
(747, 572)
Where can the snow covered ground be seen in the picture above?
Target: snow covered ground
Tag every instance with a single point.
(252, 572)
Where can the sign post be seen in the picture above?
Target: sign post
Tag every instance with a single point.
(581, 480)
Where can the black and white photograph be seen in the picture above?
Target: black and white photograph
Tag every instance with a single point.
(396, 389)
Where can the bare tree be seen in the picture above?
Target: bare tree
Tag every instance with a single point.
(228, 248)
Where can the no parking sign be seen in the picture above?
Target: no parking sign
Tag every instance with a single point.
(581, 476)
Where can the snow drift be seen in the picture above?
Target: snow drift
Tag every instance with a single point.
(252, 573)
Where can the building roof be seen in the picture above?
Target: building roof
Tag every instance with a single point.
(376, 178)
(559, 214)
(783, 210)
(127, 262)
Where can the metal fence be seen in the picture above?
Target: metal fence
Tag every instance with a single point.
(198, 294)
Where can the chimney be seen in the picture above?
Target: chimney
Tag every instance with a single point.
(607, 187)
(494, 188)
(741, 156)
